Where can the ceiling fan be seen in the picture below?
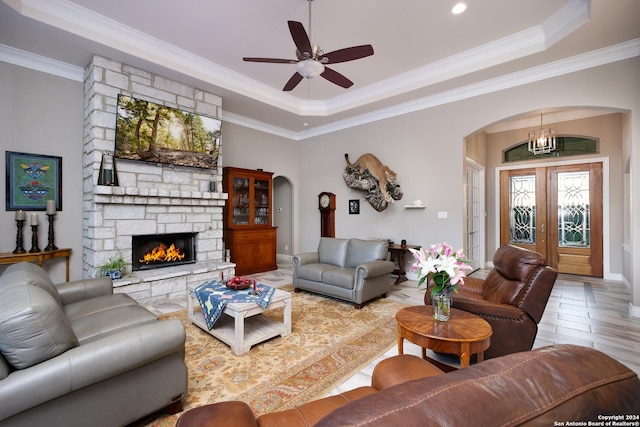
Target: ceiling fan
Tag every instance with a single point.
(311, 58)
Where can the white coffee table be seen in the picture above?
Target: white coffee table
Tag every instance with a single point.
(240, 325)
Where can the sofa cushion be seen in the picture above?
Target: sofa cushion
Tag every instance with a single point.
(94, 305)
(500, 290)
(341, 277)
(33, 327)
(313, 272)
(104, 323)
(333, 251)
(310, 413)
(516, 263)
(360, 251)
(30, 274)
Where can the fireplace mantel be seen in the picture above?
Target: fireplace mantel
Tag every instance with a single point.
(153, 196)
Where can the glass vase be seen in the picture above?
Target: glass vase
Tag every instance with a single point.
(442, 305)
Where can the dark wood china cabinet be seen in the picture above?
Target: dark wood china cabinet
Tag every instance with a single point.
(248, 230)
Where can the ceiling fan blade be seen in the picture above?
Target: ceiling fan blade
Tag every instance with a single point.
(337, 78)
(347, 54)
(300, 38)
(271, 60)
(293, 82)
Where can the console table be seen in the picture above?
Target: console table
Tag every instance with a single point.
(398, 252)
(39, 257)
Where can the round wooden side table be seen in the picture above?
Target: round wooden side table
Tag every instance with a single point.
(463, 334)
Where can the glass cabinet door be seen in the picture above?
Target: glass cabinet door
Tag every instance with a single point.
(261, 202)
(240, 201)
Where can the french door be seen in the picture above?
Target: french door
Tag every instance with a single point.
(474, 214)
(556, 211)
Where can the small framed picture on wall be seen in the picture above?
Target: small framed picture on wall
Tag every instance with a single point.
(354, 207)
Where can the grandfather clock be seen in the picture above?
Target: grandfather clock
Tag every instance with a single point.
(327, 206)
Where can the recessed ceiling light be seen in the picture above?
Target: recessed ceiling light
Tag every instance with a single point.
(458, 8)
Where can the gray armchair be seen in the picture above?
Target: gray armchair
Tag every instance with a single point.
(77, 354)
(350, 269)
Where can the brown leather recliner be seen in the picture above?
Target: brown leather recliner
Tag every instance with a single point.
(512, 298)
(534, 388)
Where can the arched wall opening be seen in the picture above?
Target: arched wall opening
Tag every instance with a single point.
(283, 217)
(609, 126)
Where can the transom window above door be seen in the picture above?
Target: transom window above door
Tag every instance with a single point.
(566, 146)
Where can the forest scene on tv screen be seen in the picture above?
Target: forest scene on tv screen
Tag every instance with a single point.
(154, 133)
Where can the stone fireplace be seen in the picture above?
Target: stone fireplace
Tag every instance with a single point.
(151, 199)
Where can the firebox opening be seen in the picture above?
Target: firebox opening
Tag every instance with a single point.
(162, 250)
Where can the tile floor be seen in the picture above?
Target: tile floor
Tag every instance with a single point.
(581, 310)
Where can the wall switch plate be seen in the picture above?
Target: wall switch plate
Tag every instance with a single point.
(442, 215)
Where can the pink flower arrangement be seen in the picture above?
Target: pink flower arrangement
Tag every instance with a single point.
(441, 264)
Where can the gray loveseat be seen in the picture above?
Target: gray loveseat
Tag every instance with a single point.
(350, 269)
(76, 354)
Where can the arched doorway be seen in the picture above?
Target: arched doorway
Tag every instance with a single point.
(607, 125)
(283, 217)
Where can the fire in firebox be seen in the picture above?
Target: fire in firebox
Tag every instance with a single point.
(163, 254)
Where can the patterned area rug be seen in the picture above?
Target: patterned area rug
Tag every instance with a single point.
(330, 341)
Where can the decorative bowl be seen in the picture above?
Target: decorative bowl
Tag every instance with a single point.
(237, 286)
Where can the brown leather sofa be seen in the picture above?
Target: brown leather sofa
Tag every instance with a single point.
(535, 388)
(512, 298)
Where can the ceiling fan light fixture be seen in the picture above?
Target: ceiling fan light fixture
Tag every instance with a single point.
(309, 68)
(458, 8)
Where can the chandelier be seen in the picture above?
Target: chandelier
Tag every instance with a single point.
(542, 141)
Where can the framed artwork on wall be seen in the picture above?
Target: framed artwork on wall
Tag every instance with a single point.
(354, 207)
(32, 179)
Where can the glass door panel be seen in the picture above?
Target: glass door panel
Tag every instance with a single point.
(261, 202)
(574, 226)
(474, 211)
(240, 201)
(522, 210)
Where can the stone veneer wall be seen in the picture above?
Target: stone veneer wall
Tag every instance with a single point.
(150, 198)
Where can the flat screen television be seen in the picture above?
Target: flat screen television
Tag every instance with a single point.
(154, 133)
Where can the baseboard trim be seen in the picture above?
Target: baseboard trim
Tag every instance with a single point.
(634, 311)
(283, 258)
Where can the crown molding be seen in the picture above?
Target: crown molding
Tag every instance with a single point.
(77, 20)
(73, 18)
(32, 61)
(92, 26)
(240, 120)
(576, 63)
(569, 65)
(569, 18)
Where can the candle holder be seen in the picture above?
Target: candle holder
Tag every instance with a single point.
(255, 291)
(51, 246)
(34, 239)
(19, 240)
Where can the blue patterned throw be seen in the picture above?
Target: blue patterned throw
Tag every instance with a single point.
(214, 297)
